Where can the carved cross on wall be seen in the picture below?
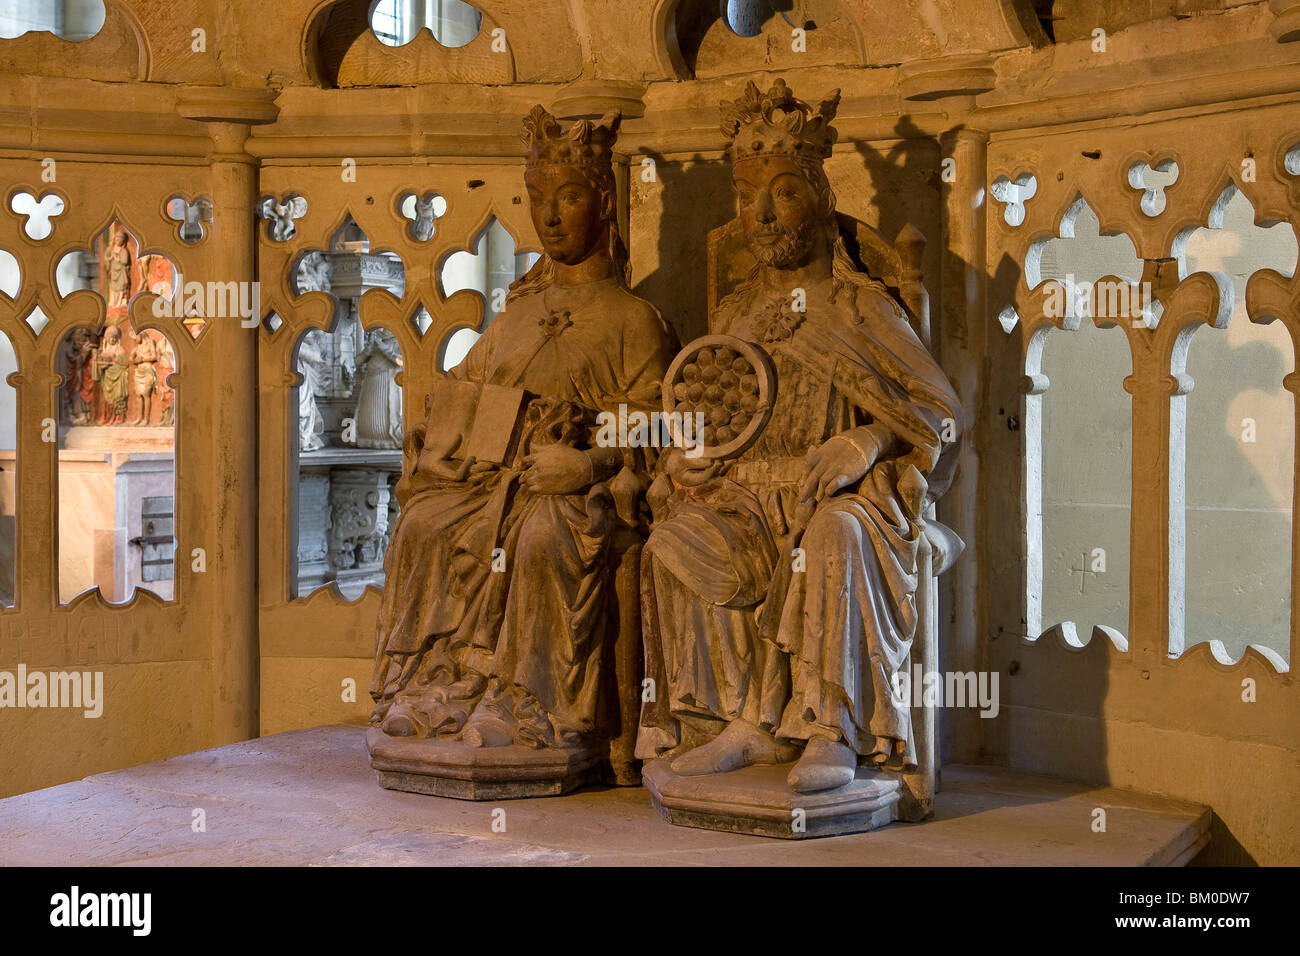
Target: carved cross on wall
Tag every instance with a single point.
(1083, 571)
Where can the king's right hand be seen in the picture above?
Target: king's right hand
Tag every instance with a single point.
(687, 472)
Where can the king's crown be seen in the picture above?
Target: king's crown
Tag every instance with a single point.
(775, 123)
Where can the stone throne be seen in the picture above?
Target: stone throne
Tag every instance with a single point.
(752, 804)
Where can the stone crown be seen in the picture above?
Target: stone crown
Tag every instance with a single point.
(775, 123)
(585, 144)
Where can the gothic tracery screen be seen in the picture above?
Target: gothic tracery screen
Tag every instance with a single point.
(1130, 282)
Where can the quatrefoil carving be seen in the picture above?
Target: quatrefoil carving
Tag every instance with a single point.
(280, 215)
(1014, 194)
(39, 212)
(1153, 181)
(190, 216)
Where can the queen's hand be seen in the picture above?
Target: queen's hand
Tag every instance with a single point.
(557, 470)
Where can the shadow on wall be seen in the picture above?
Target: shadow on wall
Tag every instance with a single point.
(895, 174)
(691, 197)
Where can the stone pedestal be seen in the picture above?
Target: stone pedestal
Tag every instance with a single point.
(118, 438)
(449, 768)
(758, 800)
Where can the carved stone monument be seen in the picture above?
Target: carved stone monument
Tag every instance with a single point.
(493, 674)
(779, 580)
(113, 375)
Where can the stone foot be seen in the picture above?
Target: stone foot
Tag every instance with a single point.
(447, 707)
(741, 744)
(400, 721)
(491, 725)
(825, 765)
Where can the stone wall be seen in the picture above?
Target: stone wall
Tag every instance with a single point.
(941, 105)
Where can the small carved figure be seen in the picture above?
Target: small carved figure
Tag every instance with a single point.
(166, 394)
(157, 273)
(379, 397)
(422, 228)
(315, 272)
(117, 270)
(145, 378)
(112, 370)
(280, 216)
(311, 426)
(79, 383)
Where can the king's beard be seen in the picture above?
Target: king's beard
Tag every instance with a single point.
(791, 248)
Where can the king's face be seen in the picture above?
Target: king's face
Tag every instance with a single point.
(566, 211)
(777, 208)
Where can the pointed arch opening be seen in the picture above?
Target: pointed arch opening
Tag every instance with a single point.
(347, 448)
(1233, 458)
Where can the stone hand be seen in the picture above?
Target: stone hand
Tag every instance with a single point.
(557, 470)
(689, 472)
(455, 470)
(835, 464)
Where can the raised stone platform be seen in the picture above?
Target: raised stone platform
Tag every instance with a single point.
(447, 768)
(159, 438)
(309, 797)
(758, 800)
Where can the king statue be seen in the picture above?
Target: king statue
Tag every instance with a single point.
(779, 587)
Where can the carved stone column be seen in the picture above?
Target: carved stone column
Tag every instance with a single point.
(229, 522)
(960, 342)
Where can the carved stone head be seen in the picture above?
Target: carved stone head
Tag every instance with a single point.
(783, 199)
(570, 181)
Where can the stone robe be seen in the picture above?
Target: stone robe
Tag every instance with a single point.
(379, 403)
(113, 382)
(732, 628)
(533, 628)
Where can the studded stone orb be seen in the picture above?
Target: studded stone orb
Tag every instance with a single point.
(731, 382)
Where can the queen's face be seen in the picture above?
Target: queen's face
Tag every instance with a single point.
(778, 209)
(566, 212)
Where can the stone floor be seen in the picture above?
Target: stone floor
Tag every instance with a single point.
(309, 798)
